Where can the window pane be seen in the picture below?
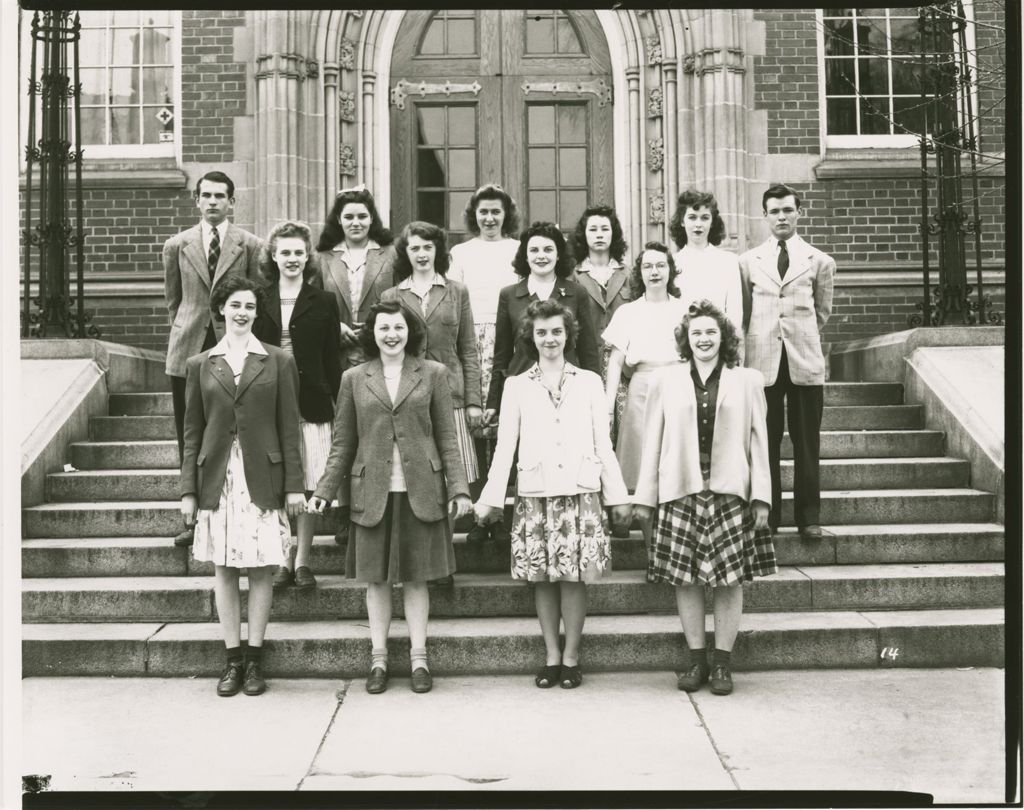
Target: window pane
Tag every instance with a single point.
(572, 167)
(462, 125)
(542, 206)
(871, 12)
(125, 46)
(456, 202)
(837, 12)
(542, 167)
(431, 129)
(906, 75)
(94, 127)
(430, 207)
(874, 77)
(433, 40)
(908, 112)
(91, 47)
(124, 85)
(430, 167)
(124, 125)
(156, 46)
(874, 116)
(903, 12)
(156, 85)
(153, 126)
(905, 37)
(572, 123)
(540, 123)
(91, 19)
(155, 17)
(841, 116)
(462, 168)
(540, 34)
(872, 37)
(839, 77)
(462, 36)
(571, 205)
(126, 17)
(838, 38)
(568, 42)
(94, 85)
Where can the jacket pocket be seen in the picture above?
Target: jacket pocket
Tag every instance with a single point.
(276, 472)
(275, 456)
(589, 475)
(357, 488)
(530, 480)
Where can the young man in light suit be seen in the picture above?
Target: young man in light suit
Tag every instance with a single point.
(194, 261)
(787, 290)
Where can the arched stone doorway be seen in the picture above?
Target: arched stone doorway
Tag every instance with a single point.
(523, 98)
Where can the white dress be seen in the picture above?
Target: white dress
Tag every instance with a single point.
(714, 274)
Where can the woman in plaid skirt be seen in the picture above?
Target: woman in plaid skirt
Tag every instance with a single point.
(704, 477)
(567, 474)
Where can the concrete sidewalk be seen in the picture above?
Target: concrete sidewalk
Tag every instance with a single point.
(934, 731)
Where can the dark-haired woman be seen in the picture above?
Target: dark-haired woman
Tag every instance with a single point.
(554, 412)
(705, 470)
(598, 239)
(395, 468)
(355, 261)
(241, 471)
(705, 271)
(303, 321)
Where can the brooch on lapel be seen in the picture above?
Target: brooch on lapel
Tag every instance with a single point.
(561, 291)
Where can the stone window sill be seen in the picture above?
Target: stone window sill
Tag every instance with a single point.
(845, 164)
(118, 174)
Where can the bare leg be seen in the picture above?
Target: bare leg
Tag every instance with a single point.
(728, 610)
(574, 613)
(378, 608)
(261, 595)
(305, 524)
(690, 603)
(416, 599)
(229, 604)
(546, 596)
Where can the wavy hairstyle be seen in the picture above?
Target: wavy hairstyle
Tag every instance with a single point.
(691, 198)
(564, 266)
(333, 235)
(492, 191)
(229, 286)
(729, 352)
(288, 230)
(415, 325)
(636, 278)
(778, 191)
(539, 310)
(578, 240)
(424, 230)
(216, 177)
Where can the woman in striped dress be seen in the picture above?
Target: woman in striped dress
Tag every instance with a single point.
(303, 321)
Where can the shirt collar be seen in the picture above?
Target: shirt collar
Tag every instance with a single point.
(534, 286)
(342, 246)
(586, 266)
(712, 377)
(406, 283)
(534, 372)
(790, 243)
(207, 229)
(252, 347)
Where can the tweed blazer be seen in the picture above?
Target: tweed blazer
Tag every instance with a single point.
(510, 354)
(449, 336)
(562, 451)
(790, 312)
(262, 410)
(670, 462)
(316, 346)
(187, 287)
(377, 277)
(366, 424)
(605, 301)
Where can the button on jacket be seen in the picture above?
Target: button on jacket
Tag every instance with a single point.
(670, 462)
(262, 410)
(366, 425)
(604, 300)
(563, 450)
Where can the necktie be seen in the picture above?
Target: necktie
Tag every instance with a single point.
(214, 255)
(783, 260)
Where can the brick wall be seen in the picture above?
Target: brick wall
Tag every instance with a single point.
(136, 321)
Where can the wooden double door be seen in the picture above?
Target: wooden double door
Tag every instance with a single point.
(520, 98)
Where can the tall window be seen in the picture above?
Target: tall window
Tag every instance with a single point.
(446, 162)
(550, 32)
(557, 162)
(451, 33)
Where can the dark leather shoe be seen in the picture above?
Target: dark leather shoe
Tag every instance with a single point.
(693, 678)
(421, 680)
(341, 538)
(304, 579)
(812, 532)
(479, 534)
(186, 538)
(231, 681)
(377, 681)
(721, 680)
(282, 577)
(254, 683)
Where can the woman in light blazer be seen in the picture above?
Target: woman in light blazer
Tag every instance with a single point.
(704, 467)
(396, 471)
(242, 471)
(567, 474)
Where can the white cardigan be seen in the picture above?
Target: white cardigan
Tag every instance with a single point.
(562, 451)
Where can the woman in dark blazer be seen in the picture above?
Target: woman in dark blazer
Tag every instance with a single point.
(241, 469)
(395, 468)
(303, 321)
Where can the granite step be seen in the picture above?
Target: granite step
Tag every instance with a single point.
(512, 645)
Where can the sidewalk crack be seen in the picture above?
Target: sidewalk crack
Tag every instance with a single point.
(714, 747)
(340, 695)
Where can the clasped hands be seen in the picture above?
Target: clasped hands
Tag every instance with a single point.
(458, 506)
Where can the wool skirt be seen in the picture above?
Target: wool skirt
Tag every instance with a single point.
(560, 539)
(629, 443)
(401, 548)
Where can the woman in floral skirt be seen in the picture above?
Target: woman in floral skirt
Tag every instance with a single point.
(567, 474)
(704, 470)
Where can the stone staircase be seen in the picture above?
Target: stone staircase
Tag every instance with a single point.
(910, 572)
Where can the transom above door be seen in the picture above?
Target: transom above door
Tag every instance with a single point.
(521, 98)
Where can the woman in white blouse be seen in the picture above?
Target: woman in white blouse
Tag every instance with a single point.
(706, 272)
